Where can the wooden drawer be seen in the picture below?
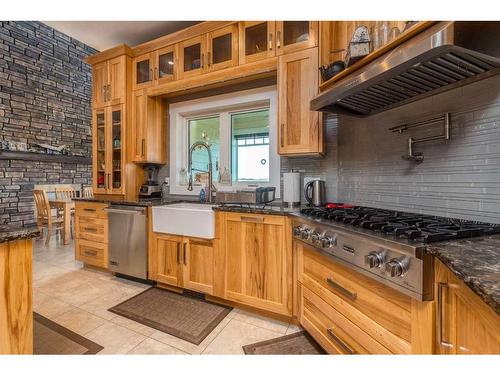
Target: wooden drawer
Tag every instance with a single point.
(255, 218)
(92, 229)
(93, 253)
(379, 310)
(334, 332)
(91, 209)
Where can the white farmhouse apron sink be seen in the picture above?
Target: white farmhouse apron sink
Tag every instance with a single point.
(185, 219)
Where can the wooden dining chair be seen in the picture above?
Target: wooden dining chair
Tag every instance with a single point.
(64, 192)
(44, 215)
(87, 192)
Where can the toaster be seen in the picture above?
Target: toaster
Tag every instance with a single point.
(260, 195)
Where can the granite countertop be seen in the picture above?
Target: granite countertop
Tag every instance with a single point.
(13, 233)
(141, 202)
(476, 261)
(273, 209)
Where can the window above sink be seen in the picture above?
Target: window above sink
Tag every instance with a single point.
(240, 128)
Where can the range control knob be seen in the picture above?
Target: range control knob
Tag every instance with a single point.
(328, 241)
(395, 267)
(306, 233)
(316, 238)
(297, 231)
(374, 259)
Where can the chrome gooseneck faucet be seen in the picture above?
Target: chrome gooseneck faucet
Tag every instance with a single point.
(210, 187)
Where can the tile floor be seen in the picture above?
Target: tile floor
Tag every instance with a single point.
(78, 299)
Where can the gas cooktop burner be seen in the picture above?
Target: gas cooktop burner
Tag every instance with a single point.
(414, 227)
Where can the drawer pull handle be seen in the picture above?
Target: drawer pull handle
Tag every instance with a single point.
(88, 229)
(184, 254)
(441, 287)
(341, 289)
(90, 253)
(89, 209)
(252, 219)
(347, 348)
(178, 253)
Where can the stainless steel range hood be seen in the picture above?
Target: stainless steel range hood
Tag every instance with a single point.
(445, 56)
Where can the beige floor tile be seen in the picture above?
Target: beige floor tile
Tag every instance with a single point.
(187, 346)
(261, 321)
(150, 346)
(236, 334)
(292, 328)
(79, 321)
(48, 306)
(133, 325)
(114, 338)
(100, 305)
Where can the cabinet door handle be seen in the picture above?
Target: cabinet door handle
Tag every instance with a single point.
(270, 41)
(89, 209)
(178, 253)
(347, 348)
(278, 39)
(91, 253)
(252, 219)
(282, 135)
(209, 58)
(339, 288)
(150, 74)
(88, 229)
(143, 146)
(109, 93)
(104, 88)
(157, 75)
(202, 60)
(107, 180)
(441, 287)
(184, 254)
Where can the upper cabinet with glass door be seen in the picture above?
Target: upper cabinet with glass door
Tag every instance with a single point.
(256, 41)
(295, 35)
(154, 68)
(222, 48)
(192, 57)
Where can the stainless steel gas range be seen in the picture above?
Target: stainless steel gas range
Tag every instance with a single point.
(386, 245)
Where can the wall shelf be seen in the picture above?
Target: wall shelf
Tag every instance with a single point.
(35, 156)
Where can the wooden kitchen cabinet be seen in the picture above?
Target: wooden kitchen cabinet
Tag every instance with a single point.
(300, 130)
(149, 129)
(193, 57)
(183, 262)
(109, 82)
(108, 149)
(258, 261)
(155, 68)
(292, 36)
(464, 323)
(222, 48)
(256, 41)
(198, 260)
(91, 233)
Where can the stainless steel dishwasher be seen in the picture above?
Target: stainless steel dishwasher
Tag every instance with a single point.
(128, 250)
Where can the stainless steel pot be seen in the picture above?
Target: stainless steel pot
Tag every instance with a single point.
(315, 192)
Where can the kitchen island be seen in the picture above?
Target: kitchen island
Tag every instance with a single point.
(16, 300)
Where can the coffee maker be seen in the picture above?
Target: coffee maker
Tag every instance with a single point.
(150, 188)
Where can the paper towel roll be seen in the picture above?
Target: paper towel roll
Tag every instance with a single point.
(291, 187)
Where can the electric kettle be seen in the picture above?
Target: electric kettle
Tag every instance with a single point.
(315, 192)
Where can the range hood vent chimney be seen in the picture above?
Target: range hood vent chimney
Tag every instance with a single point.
(443, 57)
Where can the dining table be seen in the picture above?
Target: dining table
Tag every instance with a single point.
(65, 206)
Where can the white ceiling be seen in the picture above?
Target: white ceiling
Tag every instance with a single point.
(107, 34)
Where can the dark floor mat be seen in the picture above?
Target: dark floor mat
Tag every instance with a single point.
(52, 338)
(188, 318)
(295, 344)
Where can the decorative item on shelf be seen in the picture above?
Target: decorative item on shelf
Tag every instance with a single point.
(14, 146)
(225, 177)
(394, 33)
(328, 71)
(359, 46)
(53, 150)
(116, 143)
(409, 24)
(183, 177)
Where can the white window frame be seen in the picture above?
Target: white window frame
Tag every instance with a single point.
(242, 101)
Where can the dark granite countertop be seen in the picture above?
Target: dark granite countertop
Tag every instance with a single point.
(140, 202)
(273, 209)
(13, 233)
(476, 261)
